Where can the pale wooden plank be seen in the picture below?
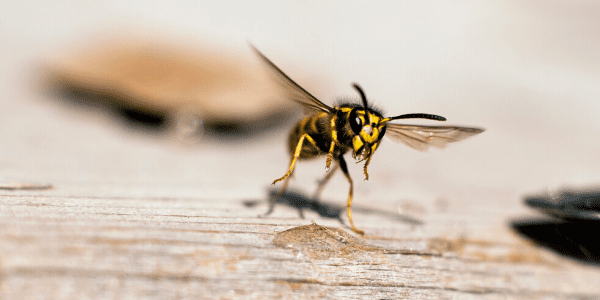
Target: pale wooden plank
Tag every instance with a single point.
(132, 248)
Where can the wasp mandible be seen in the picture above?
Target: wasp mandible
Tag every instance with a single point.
(358, 127)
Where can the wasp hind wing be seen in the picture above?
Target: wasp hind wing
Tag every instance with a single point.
(422, 137)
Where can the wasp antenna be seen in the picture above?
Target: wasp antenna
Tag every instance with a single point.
(419, 116)
(364, 101)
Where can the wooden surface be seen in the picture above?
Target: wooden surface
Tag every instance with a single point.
(78, 247)
(135, 216)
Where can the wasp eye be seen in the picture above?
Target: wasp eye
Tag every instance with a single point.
(382, 131)
(355, 122)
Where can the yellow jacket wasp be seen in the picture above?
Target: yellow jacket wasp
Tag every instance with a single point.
(357, 127)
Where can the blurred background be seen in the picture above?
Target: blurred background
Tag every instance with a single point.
(526, 71)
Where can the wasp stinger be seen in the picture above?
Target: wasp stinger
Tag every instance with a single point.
(332, 131)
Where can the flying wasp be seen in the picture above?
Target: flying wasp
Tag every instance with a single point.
(358, 127)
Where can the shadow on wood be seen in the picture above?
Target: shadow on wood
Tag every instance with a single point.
(325, 210)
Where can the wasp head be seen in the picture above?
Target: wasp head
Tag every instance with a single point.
(368, 127)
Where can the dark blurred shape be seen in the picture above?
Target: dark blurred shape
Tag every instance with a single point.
(113, 103)
(574, 239)
(325, 210)
(151, 83)
(222, 129)
(569, 204)
(574, 231)
(139, 116)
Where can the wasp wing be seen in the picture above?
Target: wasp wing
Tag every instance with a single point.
(294, 90)
(421, 137)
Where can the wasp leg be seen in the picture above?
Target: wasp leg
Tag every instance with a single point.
(344, 168)
(323, 182)
(373, 148)
(296, 155)
(333, 141)
(365, 168)
(289, 172)
(287, 175)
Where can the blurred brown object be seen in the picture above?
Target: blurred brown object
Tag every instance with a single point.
(158, 82)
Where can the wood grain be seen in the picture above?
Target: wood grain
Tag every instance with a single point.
(59, 247)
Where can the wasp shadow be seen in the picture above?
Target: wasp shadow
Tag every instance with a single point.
(326, 210)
